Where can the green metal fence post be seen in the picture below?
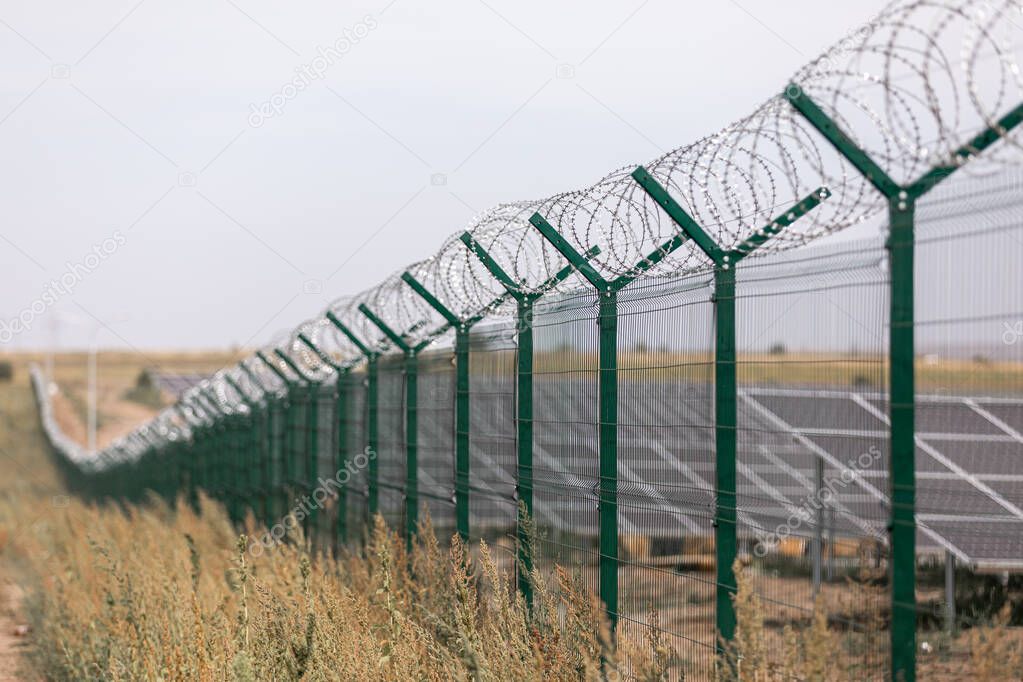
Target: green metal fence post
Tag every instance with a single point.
(209, 454)
(607, 387)
(218, 477)
(411, 446)
(373, 434)
(311, 444)
(197, 462)
(411, 425)
(188, 458)
(261, 441)
(248, 445)
(213, 447)
(725, 382)
(725, 447)
(607, 428)
(205, 466)
(289, 449)
(341, 455)
(313, 458)
(462, 426)
(607, 382)
(902, 380)
(525, 302)
(340, 451)
(462, 412)
(524, 426)
(902, 401)
(265, 458)
(372, 410)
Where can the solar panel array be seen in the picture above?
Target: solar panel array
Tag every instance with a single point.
(968, 497)
(176, 384)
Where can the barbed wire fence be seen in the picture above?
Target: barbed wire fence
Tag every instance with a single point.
(604, 363)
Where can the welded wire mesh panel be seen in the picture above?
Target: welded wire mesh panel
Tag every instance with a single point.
(812, 478)
(969, 406)
(353, 422)
(270, 455)
(392, 454)
(565, 457)
(492, 453)
(436, 439)
(324, 469)
(666, 469)
(278, 452)
(297, 464)
(248, 453)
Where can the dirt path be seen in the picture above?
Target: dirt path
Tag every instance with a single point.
(14, 638)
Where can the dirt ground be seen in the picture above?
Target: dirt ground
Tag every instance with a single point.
(15, 636)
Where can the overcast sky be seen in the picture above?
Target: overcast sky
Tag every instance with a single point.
(136, 132)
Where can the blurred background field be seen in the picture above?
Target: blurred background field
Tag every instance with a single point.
(122, 403)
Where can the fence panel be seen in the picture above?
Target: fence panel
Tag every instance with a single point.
(276, 493)
(322, 460)
(391, 447)
(666, 468)
(354, 419)
(492, 456)
(969, 404)
(565, 458)
(436, 424)
(813, 458)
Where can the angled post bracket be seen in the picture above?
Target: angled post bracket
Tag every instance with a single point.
(356, 341)
(254, 378)
(395, 337)
(288, 381)
(523, 399)
(725, 380)
(411, 422)
(902, 370)
(293, 366)
(321, 354)
(372, 411)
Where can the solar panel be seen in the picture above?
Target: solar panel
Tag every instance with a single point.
(964, 502)
(176, 384)
(967, 500)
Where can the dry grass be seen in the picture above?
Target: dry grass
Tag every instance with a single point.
(157, 593)
(814, 652)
